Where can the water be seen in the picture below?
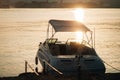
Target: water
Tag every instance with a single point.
(21, 30)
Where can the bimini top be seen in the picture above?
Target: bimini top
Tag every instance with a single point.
(68, 26)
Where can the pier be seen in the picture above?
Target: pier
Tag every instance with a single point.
(33, 75)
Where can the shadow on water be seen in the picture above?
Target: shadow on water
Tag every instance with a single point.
(32, 76)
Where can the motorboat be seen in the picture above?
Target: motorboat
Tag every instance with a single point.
(65, 53)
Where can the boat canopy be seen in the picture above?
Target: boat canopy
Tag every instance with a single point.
(68, 26)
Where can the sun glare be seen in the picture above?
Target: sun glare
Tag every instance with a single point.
(79, 36)
(79, 14)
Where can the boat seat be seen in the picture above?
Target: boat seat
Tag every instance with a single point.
(62, 49)
(54, 49)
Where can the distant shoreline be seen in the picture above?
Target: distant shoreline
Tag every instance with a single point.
(57, 5)
(63, 5)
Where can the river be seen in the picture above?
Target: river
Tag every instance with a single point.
(21, 30)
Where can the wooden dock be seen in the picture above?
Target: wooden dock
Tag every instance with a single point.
(33, 76)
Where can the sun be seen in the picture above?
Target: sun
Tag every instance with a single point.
(79, 36)
(79, 14)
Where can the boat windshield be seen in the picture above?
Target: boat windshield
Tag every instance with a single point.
(67, 37)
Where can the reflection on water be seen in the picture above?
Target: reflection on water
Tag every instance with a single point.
(79, 14)
(21, 30)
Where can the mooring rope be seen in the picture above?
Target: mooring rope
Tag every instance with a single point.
(53, 67)
(111, 66)
(32, 68)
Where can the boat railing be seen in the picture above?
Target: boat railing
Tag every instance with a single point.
(45, 62)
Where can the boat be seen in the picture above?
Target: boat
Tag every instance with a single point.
(67, 55)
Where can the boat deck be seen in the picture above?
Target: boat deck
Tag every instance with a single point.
(70, 49)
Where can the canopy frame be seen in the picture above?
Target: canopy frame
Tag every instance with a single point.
(54, 24)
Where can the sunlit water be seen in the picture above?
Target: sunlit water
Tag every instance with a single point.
(21, 30)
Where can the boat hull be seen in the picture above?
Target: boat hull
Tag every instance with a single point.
(71, 65)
